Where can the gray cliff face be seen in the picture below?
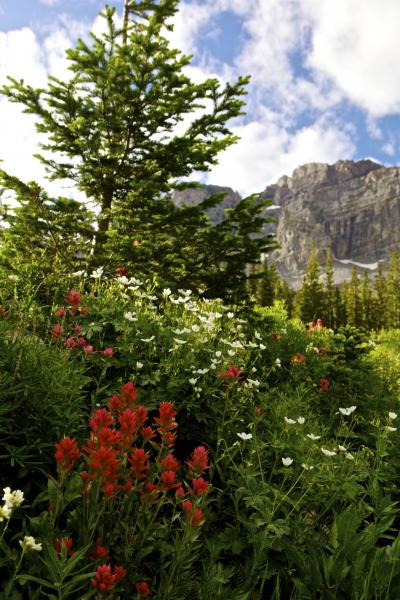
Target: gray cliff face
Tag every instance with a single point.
(351, 207)
(196, 195)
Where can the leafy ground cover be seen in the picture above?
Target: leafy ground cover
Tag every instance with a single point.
(161, 444)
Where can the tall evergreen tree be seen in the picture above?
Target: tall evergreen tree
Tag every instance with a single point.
(366, 302)
(353, 301)
(380, 302)
(309, 303)
(112, 128)
(329, 292)
(393, 291)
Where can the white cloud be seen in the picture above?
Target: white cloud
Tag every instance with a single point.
(49, 2)
(267, 150)
(355, 43)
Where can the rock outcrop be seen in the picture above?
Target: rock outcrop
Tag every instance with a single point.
(351, 207)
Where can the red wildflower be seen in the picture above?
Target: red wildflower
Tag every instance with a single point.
(57, 330)
(121, 271)
(77, 328)
(180, 493)
(105, 464)
(298, 358)
(60, 312)
(129, 392)
(99, 552)
(80, 341)
(73, 298)
(108, 437)
(141, 415)
(67, 542)
(142, 588)
(84, 310)
(119, 572)
(319, 324)
(107, 352)
(195, 515)
(276, 336)
(88, 350)
(101, 418)
(168, 480)
(198, 462)
(67, 453)
(257, 410)
(115, 404)
(232, 373)
(70, 343)
(324, 384)
(147, 433)
(311, 326)
(169, 463)
(104, 580)
(138, 461)
(166, 420)
(169, 439)
(129, 425)
(200, 486)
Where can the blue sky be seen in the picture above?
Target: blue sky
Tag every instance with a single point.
(325, 77)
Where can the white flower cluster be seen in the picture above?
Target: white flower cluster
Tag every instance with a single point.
(11, 500)
(29, 543)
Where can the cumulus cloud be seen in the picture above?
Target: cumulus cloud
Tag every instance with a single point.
(268, 150)
(355, 44)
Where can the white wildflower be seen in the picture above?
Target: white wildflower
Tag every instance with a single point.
(347, 411)
(5, 512)
(231, 353)
(218, 353)
(195, 328)
(29, 543)
(278, 362)
(262, 347)
(230, 315)
(178, 341)
(388, 428)
(13, 499)
(307, 467)
(78, 273)
(97, 273)
(342, 448)
(253, 382)
(301, 420)
(287, 461)
(289, 421)
(257, 335)
(327, 452)
(130, 317)
(392, 416)
(349, 456)
(139, 365)
(148, 340)
(313, 437)
(245, 436)
(193, 380)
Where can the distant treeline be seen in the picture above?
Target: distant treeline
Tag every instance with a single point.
(363, 301)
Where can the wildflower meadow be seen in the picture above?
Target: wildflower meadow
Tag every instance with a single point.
(166, 445)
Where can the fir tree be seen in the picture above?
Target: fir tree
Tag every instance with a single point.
(393, 291)
(353, 301)
(112, 128)
(329, 292)
(380, 302)
(366, 301)
(310, 298)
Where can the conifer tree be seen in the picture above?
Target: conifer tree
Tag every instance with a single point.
(112, 128)
(310, 298)
(393, 291)
(329, 292)
(366, 301)
(353, 301)
(380, 303)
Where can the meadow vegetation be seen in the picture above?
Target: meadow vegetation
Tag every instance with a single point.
(162, 434)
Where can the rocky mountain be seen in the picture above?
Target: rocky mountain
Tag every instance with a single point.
(351, 207)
